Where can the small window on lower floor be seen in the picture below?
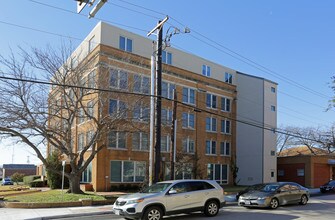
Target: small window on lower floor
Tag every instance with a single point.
(300, 172)
(281, 173)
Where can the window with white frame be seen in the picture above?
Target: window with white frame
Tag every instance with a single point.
(211, 101)
(188, 145)
(141, 84)
(118, 79)
(90, 109)
(81, 116)
(228, 78)
(225, 126)
(273, 108)
(117, 140)
(117, 108)
(184, 171)
(91, 80)
(140, 141)
(210, 147)
(218, 172)
(127, 171)
(300, 172)
(89, 137)
(167, 89)
(81, 141)
(225, 104)
(166, 117)
(225, 149)
(210, 124)
(86, 176)
(206, 70)
(188, 120)
(165, 143)
(166, 57)
(126, 44)
(141, 113)
(188, 95)
(92, 43)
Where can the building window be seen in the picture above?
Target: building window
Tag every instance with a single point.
(206, 70)
(225, 104)
(166, 57)
(218, 172)
(89, 137)
(126, 44)
(167, 90)
(188, 120)
(188, 145)
(273, 89)
(184, 171)
(225, 127)
(141, 113)
(91, 44)
(272, 174)
(117, 140)
(140, 141)
(81, 115)
(225, 149)
(188, 95)
(117, 108)
(165, 144)
(211, 101)
(127, 171)
(281, 173)
(80, 141)
(273, 153)
(86, 176)
(141, 84)
(228, 78)
(300, 172)
(118, 79)
(210, 147)
(91, 80)
(166, 117)
(210, 124)
(90, 109)
(273, 108)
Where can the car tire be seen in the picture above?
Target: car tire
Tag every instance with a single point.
(212, 208)
(153, 213)
(303, 200)
(274, 203)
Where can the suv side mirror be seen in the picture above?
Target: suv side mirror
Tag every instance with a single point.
(172, 191)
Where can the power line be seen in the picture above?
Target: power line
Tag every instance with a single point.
(197, 109)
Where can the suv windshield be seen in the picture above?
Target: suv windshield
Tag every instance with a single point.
(156, 188)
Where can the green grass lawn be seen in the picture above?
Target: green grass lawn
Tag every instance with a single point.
(52, 196)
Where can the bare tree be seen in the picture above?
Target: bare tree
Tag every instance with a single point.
(41, 115)
(284, 139)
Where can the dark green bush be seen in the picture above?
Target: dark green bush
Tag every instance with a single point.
(38, 183)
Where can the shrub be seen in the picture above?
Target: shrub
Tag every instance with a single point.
(38, 183)
(54, 179)
(28, 179)
(17, 177)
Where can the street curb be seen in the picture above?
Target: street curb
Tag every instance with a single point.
(73, 215)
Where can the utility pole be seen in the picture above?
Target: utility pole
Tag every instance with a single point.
(159, 28)
(173, 134)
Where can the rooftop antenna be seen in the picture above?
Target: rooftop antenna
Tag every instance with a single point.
(13, 156)
(28, 161)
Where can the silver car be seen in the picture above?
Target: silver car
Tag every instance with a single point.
(275, 194)
(171, 197)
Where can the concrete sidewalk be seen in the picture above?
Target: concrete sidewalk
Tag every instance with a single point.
(52, 213)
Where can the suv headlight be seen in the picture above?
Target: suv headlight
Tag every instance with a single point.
(135, 201)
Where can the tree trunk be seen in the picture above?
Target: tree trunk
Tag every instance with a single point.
(75, 184)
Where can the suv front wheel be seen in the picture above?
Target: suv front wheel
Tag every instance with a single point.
(153, 213)
(211, 208)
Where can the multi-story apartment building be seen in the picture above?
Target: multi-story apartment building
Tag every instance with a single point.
(206, 111)
(256, 146)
